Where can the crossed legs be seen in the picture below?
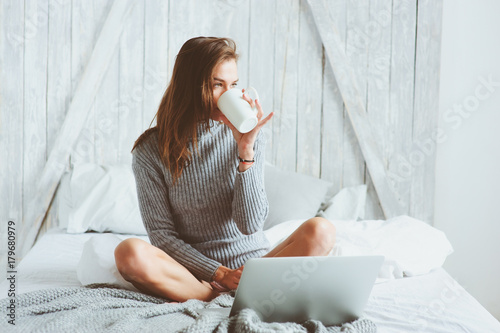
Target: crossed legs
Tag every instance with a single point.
(154, 272)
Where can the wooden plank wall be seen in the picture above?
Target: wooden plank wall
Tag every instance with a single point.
(392, 44)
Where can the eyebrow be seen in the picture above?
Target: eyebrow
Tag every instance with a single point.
(221, 80)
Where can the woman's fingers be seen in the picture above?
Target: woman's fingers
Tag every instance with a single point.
(260, 113)
(233, 279)
(252, 135)
(265, 120)
(248, 99)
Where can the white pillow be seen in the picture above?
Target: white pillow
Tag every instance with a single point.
(100, 198)
(292, 195)
(97, 263)
(277, 234)
(348, 204)
(410, 247)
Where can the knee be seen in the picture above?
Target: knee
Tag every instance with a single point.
(131, 258)
(320, 232)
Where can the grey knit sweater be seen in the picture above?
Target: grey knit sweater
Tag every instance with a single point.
(214, 214)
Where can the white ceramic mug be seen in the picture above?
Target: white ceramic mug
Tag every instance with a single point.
(237, 110)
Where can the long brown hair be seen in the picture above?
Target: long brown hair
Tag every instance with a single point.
(188, 100)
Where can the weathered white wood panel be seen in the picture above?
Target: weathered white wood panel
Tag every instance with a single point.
(261, 56)
(286, 76)
(12, 41)
(310, 95)
(404, 15)
(58, 68)
(88, 19)
(346, 79)
(58, 81)
(155, 58)
(131, 83)
(333, 109)
(357, 14)
(422, 156)
(106, 121)
(81, 102)
(35, 95)
(378, 30)
(100, 138)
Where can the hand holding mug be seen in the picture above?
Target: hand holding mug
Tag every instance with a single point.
(244, 117)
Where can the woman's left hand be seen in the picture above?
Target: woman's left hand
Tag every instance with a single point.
(229, 278)
(246, 141)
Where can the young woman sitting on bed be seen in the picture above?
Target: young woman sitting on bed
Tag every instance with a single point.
(204, 210)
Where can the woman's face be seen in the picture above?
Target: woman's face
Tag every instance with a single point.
(225, 77)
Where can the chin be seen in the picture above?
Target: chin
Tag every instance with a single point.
(217, 115)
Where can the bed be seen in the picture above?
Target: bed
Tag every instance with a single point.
(413, 293)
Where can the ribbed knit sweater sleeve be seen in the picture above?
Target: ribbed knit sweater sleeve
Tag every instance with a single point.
(156, 214)
(250, 205)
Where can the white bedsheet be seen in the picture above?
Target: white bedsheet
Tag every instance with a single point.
(433, 302)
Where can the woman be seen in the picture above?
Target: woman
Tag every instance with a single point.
(201, 189)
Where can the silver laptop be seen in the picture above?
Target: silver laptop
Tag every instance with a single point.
(333, 290)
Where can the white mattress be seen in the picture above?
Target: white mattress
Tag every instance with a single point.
(433, 302)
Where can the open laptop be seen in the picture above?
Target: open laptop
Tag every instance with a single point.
(333, 290)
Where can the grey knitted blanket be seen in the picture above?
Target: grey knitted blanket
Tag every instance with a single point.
(105, 307)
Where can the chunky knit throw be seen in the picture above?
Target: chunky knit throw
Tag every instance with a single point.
(107, 308)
